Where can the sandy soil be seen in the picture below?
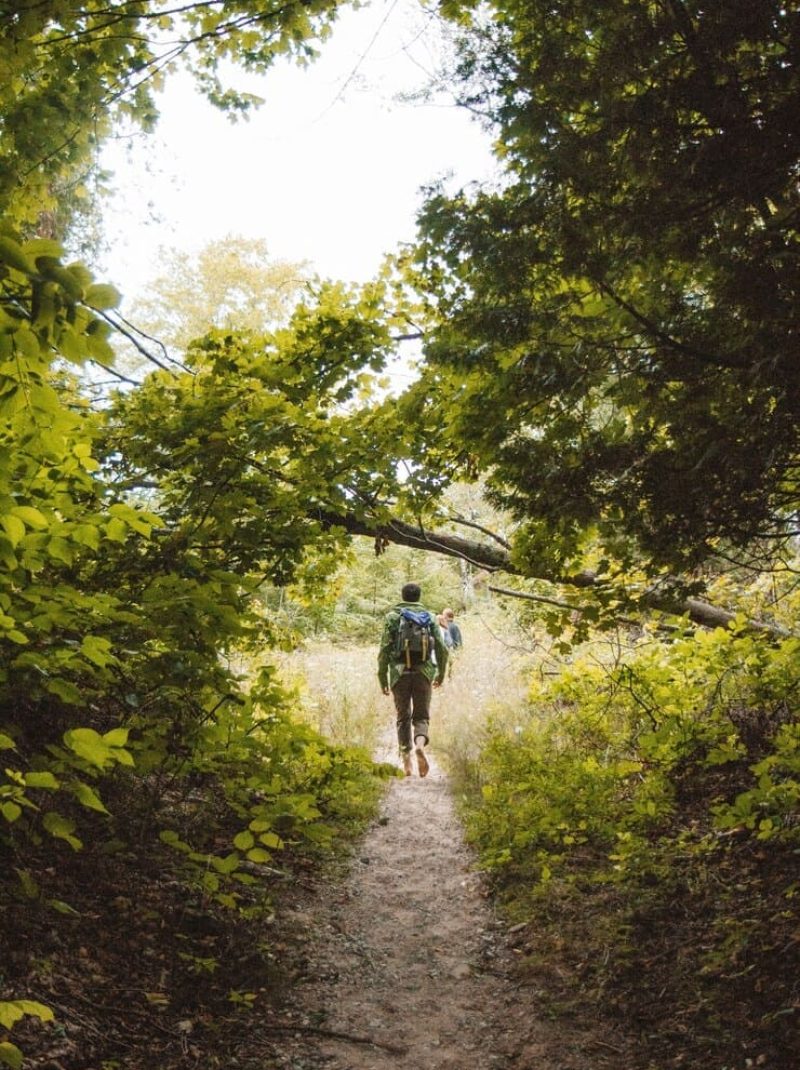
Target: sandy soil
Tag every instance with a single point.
(407, 965)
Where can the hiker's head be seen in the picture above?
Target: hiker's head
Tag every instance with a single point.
(411, 592)
(448, 614)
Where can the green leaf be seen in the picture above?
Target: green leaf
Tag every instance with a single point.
(87, 535)
(226, 865)
(30, 889)
(89, 745)
(41, 780)
(102, 295)
(10, 811)
(10, 1055)
(117, 737)
(43, 247)
(14, 528)
(210, 882)
(6, 742)
(60, 550)
(100, 349)
(31, 516)
(72, 346)
(88, 797)
(244, 840)
(63, 908)
(97, 650)
(61, 828)
(172, 839)
(11, 253)
(116, 530)
(65, 689)
(12, 1011)
(257, 854)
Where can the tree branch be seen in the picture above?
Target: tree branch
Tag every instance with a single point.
(479, 527)
(496, 559)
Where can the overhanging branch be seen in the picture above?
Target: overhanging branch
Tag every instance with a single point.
(497, 559)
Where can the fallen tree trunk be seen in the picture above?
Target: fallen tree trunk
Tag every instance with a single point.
(494, 558)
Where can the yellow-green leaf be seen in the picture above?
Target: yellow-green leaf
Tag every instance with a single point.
(62, 828)
(41, 780)
(102, 295)
(116, 529)
(88, 797)
(14, 528)
(117, 737)
(13, 1010)
(10, 811)
(10, 1055)
(30, 516)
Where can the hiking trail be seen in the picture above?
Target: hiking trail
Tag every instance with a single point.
(405, 964)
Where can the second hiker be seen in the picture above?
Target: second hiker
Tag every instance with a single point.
(406, 667)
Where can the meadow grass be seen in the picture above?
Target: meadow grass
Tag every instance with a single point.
(338, 692)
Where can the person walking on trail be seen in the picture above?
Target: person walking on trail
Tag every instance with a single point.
(451, 633)
(450, 630)
(410, 642)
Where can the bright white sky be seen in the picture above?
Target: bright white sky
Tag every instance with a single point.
(328, 170)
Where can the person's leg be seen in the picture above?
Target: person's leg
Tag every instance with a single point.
(421, 692)
(402, 704)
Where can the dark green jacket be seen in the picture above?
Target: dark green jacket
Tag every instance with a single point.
(389, 669)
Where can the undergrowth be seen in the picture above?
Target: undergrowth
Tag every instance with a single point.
(641, 824)
(153, 922)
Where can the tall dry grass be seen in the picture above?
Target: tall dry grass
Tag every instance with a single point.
(487, 682)
(337, 688)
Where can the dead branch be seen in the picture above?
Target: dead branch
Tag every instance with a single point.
(336, 1034)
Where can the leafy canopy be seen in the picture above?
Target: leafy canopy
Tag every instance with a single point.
(70, 72)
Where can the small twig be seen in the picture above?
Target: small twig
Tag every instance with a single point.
(138, 1012)
(337, 1034)
(534, 598)
(117, 325)
(604, 1044)
(456, 519)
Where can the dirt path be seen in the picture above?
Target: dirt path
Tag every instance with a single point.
(407, 954)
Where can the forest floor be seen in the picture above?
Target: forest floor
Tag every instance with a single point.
(402, 961)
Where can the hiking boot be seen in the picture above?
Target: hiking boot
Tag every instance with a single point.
(422, 762)
(408, 766)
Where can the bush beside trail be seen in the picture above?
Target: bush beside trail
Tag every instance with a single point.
(642, 828)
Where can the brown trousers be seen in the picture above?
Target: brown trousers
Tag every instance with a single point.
(412, 700)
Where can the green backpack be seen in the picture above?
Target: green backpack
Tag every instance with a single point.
(414, 639)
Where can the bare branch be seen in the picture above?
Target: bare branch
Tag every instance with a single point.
(456, 519)
(535, 598)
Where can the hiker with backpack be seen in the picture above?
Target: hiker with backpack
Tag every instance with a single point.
(411, 661)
